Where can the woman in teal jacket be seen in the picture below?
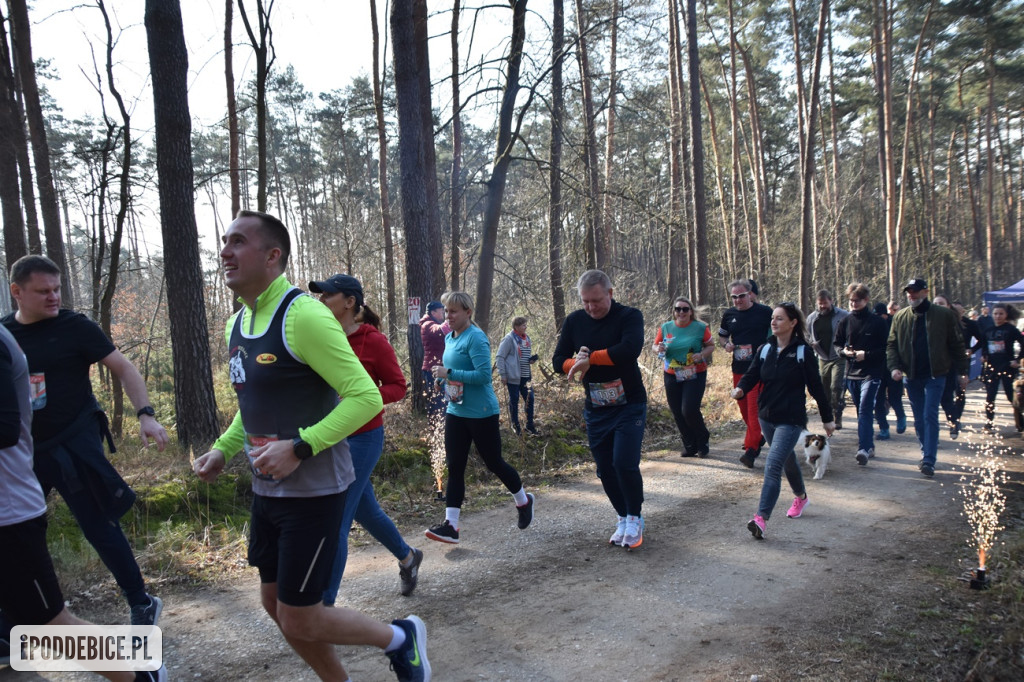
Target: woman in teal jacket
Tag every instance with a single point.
(472, 416)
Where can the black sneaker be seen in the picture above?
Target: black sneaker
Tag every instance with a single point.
(703, 451)
(409, 574)
(532, 430)
(928, 470)
(443, 533)
(687, 452)
(159, 675)
(526, 512)
(409, 661)
(748, 457)
(148, 613)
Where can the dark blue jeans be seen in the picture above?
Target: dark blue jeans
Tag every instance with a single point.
(515, 391)
(864, 392)
(361, 505)
(925, 395)
(890, 395)
(615, 435)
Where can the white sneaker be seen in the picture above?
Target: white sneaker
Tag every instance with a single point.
(862, 457)
(620, 531)
(634, 535)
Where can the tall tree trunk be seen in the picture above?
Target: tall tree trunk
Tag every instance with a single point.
(10, 128)
(22, 50)
(382, 182)
(234, 171)
(454, 217)
(194, 400)
(413, 138)
(263, 48)
(609, 151)
(596, 253)
(499, 171)
(677, 218)
(699, 263)
(554, 174)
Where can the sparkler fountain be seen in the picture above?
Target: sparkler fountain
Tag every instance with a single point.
(435, 441)
(983, 498)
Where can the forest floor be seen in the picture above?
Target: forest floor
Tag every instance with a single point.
(868, 584)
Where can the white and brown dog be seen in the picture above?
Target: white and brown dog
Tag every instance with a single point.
(817, 453)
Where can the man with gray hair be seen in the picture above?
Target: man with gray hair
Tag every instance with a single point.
(600, 344)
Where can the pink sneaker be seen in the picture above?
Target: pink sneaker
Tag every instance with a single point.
(798, 507)
(756, 526)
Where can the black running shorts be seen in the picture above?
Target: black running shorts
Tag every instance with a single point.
(292, 541)
(29, 591)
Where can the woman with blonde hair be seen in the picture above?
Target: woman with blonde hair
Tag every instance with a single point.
(472, 416)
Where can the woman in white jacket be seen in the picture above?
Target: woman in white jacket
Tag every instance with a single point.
(515, 355)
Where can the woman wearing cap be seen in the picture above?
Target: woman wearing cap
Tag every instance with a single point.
(343, 295)
(784, 366)
(472, 416)
(685, 344)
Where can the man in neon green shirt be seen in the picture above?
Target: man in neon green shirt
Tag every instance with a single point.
(289, 363)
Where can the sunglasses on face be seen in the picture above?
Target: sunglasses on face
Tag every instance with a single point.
(682, 309)
(736, 297)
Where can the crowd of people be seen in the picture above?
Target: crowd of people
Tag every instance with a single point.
(312, 376)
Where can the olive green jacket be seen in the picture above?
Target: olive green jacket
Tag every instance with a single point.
(946, 349)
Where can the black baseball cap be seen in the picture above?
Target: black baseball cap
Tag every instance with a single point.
(916, 285)
(339, 284)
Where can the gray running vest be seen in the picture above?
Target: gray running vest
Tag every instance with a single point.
(278, 393)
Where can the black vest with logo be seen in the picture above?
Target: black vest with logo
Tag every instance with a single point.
(277, 394)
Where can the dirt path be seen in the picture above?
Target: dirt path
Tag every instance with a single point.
(700, 600)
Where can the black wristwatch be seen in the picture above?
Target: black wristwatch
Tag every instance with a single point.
(148, 409)
(302, 449)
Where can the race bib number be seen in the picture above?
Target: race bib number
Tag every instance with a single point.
(996, 347)
(744, 352)
(37, 390)
(252, 442)
(607, 394)
(686, 373)
(453, 390)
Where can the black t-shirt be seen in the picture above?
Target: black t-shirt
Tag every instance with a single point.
(60, 351)
(747, 329)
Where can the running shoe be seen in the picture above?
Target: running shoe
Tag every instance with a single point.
(620, 532)
(862, 457)
(634, 534)
(883, 434)
(148, 613)
(756, 526)
(526, 512)
(954, 431)
(703, 451)
(796, 510)
(928, 470)
(408, 575)
(409, 661)
(443, 532)
(901, 424)
(748, 457)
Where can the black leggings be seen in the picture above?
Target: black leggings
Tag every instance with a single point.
(992, 379)
(459, 434)
(684, 398)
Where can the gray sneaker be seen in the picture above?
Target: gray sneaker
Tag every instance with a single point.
(409, 574)
(148, 613)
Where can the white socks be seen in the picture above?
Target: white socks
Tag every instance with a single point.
(521, 498)
(451, 515)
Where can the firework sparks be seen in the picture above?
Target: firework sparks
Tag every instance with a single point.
(982, 492)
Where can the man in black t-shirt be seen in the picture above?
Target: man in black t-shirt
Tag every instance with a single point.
(745, 326)
(68, 426)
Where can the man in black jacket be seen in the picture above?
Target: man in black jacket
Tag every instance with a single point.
(601, 344)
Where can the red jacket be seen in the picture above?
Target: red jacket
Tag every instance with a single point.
(432, 333)
(378, 357)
